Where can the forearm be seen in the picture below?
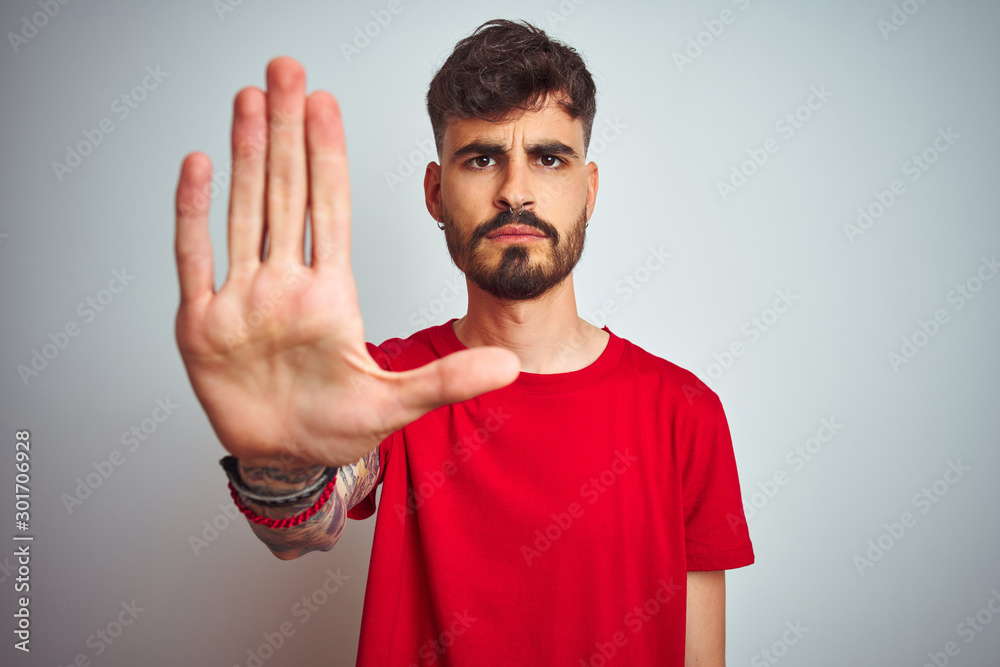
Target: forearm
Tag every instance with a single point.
(318, 533)
(705, 641)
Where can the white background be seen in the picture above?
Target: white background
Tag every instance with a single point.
(666, 134)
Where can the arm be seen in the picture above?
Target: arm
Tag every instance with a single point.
(705, 640)
(323, 530)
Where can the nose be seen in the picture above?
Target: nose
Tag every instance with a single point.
(515, 192)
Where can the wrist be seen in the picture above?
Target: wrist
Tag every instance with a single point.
(277, 479)
(275, 486)
(286, 515)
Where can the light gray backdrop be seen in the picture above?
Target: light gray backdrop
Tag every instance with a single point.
(856, 355)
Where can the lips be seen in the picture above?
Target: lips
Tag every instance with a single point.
(516, 230)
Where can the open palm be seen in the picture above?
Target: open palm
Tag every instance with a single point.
(277, 356)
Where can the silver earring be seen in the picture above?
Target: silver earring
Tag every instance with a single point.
(440, 224)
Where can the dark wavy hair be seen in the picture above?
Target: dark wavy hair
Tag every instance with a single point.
(506, 68)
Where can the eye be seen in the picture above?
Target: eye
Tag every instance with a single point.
(481, 162)
(550, 160)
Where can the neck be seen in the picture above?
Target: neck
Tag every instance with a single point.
(545, 333)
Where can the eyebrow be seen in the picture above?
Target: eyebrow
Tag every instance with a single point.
(494, 149)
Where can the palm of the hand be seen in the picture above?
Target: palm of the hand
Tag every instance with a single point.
(277, 356)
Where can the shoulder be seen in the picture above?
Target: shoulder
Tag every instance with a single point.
(673, 382)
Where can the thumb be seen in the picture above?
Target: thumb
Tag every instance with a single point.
(458, 377)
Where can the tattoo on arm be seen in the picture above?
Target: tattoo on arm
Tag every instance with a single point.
(279, 480)
(359, 478)
(321, 531)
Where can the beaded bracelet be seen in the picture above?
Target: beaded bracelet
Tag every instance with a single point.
(288, 522)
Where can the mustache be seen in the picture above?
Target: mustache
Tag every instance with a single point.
(508, 217)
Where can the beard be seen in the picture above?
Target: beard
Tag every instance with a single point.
(516, 277)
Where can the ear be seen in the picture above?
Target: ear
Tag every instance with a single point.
(592, 182)
(432, 190)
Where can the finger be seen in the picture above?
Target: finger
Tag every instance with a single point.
(457, 377)
(329, 181)
(246, 200)
(192, 243)
(286, 159)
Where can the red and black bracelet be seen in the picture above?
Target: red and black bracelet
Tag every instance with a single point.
(288, 522)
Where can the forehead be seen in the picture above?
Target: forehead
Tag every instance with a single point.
(548, 122)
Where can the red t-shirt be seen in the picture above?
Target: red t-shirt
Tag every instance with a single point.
(551, 522)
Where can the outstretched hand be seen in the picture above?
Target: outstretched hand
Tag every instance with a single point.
(277, 356)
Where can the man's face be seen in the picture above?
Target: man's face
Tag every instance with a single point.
(515, 198)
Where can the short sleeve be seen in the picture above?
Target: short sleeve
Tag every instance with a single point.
(715, 528)
(365, 507)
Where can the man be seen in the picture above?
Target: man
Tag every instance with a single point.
(552, 494)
